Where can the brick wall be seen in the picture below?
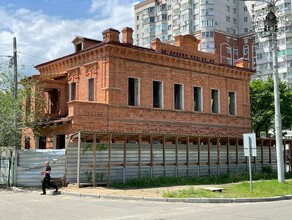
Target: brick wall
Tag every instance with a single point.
(111, 64)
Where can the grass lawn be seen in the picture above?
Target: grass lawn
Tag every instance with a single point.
(261, 189)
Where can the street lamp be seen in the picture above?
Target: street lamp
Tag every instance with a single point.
(270, 22)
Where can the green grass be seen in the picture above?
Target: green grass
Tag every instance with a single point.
(147, 182)
(261, 189)
(265, 184)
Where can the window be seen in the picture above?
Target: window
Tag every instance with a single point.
(157, 94)
(246, 52)
(164, 16)
(235, 53)
(227, 19)
(78, 47)
(231, 103)
(207, 23)
(207, 12)
(244, 8)
(227, 8)
(133, 91)
(198, 99)
(152, 19)
(52, 101)
(215, 101)
(90, 89)
(72, 91)
(245, 19)
(178, 96)
(27, 142)
(228, 50)
(207, 34)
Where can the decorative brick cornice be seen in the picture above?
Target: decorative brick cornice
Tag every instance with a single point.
(73, 74)
(178, 62)
(146, 56)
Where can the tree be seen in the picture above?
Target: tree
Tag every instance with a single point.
(8, 112)
(11, 109)
(263, 106)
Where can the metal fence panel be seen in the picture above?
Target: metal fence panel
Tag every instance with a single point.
(31, 162)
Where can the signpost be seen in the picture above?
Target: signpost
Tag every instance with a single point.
(250, 150)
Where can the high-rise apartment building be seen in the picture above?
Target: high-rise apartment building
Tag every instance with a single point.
(223, 27)
(264, 58)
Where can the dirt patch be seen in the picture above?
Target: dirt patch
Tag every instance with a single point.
(146, 192)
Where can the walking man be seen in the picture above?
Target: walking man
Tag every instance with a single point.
(46, 172)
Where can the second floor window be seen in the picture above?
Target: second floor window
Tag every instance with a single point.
(72, 91)
(90, 89)
(198, 99)
(215, 101)
(157, 94)
(133, 91)
(231, 103)
(178, 96)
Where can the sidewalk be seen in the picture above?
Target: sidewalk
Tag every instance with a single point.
(147, 194)
(155, 194)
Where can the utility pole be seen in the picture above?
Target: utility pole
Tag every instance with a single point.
(270, 23)
(15, 93)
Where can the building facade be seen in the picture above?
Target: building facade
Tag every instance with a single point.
(113, 86)
(223, 27)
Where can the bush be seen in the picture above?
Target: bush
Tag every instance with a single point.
(267, 169)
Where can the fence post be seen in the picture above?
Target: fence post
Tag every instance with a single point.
(139, 155)
(109, 157)
(78, 159)
(209, 156)
(125, 158)
(163, 152)
(15, 166)
(94, 160)
(199, 155)
(187, 154)
(176, 155)
(218, 156)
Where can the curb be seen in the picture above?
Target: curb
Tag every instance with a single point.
(186, 200)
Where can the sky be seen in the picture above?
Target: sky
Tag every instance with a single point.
(44, 29)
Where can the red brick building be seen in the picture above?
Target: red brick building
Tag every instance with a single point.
(113, 86)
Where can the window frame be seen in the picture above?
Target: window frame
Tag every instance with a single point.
(216, 108)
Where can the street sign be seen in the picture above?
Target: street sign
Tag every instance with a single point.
(250, 150)
(249, 139)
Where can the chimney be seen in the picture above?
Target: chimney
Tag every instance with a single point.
(127, 35)
(242, 63)
(111, 35)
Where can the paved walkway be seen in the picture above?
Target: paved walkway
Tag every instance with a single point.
(144, 194)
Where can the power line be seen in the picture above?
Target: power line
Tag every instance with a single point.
(5, 62)
(33, 56)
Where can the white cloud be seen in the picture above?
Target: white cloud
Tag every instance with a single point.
(41, 38)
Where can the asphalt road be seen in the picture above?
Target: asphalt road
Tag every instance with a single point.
(31, 206)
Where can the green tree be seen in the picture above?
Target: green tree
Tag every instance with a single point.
(8, 110)
(11, 109)
(263, 108)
